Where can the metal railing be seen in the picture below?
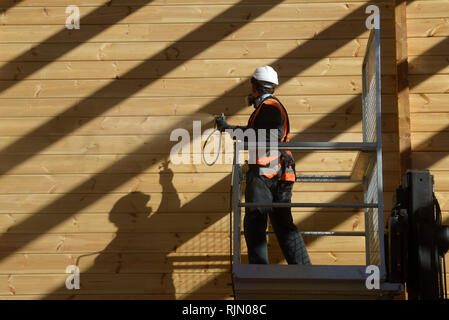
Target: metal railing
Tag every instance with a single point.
(372, 133)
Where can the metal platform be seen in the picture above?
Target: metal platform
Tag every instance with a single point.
(326, 282)
(307, 282)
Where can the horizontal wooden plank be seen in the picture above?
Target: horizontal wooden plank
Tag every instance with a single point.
(114, 3)
(427, 9)
(152, 242)
(441, 180)
(150, 163)
(125, 88)
(117, 284)
(112, 242)
(430, 46)
(147, 263)
(125, 144)
(429, 84)
(254, 49)
(182, 106)
(142, 183)
(41, 164)
(429, 65)
(198, 32)
(438, 27)
(117, 222)
(191, 69)
(165, 181)
(169, 202)
(121, 263)
(198, 87)
(430, 141)
(183, 203)
(93, 15)
(155, 222)
(137, 125)
(428, 102)
(431, 160)
(429, 122)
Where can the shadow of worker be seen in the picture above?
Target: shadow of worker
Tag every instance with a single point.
(142, 260)
(131, 265)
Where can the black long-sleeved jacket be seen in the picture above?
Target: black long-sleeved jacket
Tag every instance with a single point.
(270, 114)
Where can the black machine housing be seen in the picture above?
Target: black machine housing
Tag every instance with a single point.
(417, 240)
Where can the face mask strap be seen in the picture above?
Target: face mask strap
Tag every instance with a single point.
(251, 100)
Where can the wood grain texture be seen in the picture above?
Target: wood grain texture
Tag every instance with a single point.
(402, 87)
(167, 222)
(191, 69)
(429, 65)
(188, 106)
(214, 32)
(64, 3)
(149, 183)
(423, 84)
(153, 126)
(427, 9)
(164, 203)
(427, 46)
(117, 284)
(154, 163)
(198, 87)
(431, 160)
(200, 13)
(438, 27)
(153, 242)
(147, 263)
(181, 50)
(430, 122)
(123, 144)
(428, 102)
(429, 141)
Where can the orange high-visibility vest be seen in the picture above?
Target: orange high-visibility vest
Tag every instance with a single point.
(285, 168)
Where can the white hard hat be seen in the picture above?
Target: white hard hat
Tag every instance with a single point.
(267, 74)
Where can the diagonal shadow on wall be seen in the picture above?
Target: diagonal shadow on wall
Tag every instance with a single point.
(438, 49)
(8, 4)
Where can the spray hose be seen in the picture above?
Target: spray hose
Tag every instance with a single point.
(219, 141)
(230, 191)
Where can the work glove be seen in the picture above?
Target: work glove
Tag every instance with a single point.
(221, 124)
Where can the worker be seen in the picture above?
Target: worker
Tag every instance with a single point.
(264, 185)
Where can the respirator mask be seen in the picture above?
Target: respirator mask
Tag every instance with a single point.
(251, 100)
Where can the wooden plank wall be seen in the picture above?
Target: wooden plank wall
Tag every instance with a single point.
(85, 119)
(428, 51)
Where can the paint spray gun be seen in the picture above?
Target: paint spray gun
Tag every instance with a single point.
(219, 118)
(219, 122)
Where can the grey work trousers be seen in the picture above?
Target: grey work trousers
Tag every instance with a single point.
(262, 189)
